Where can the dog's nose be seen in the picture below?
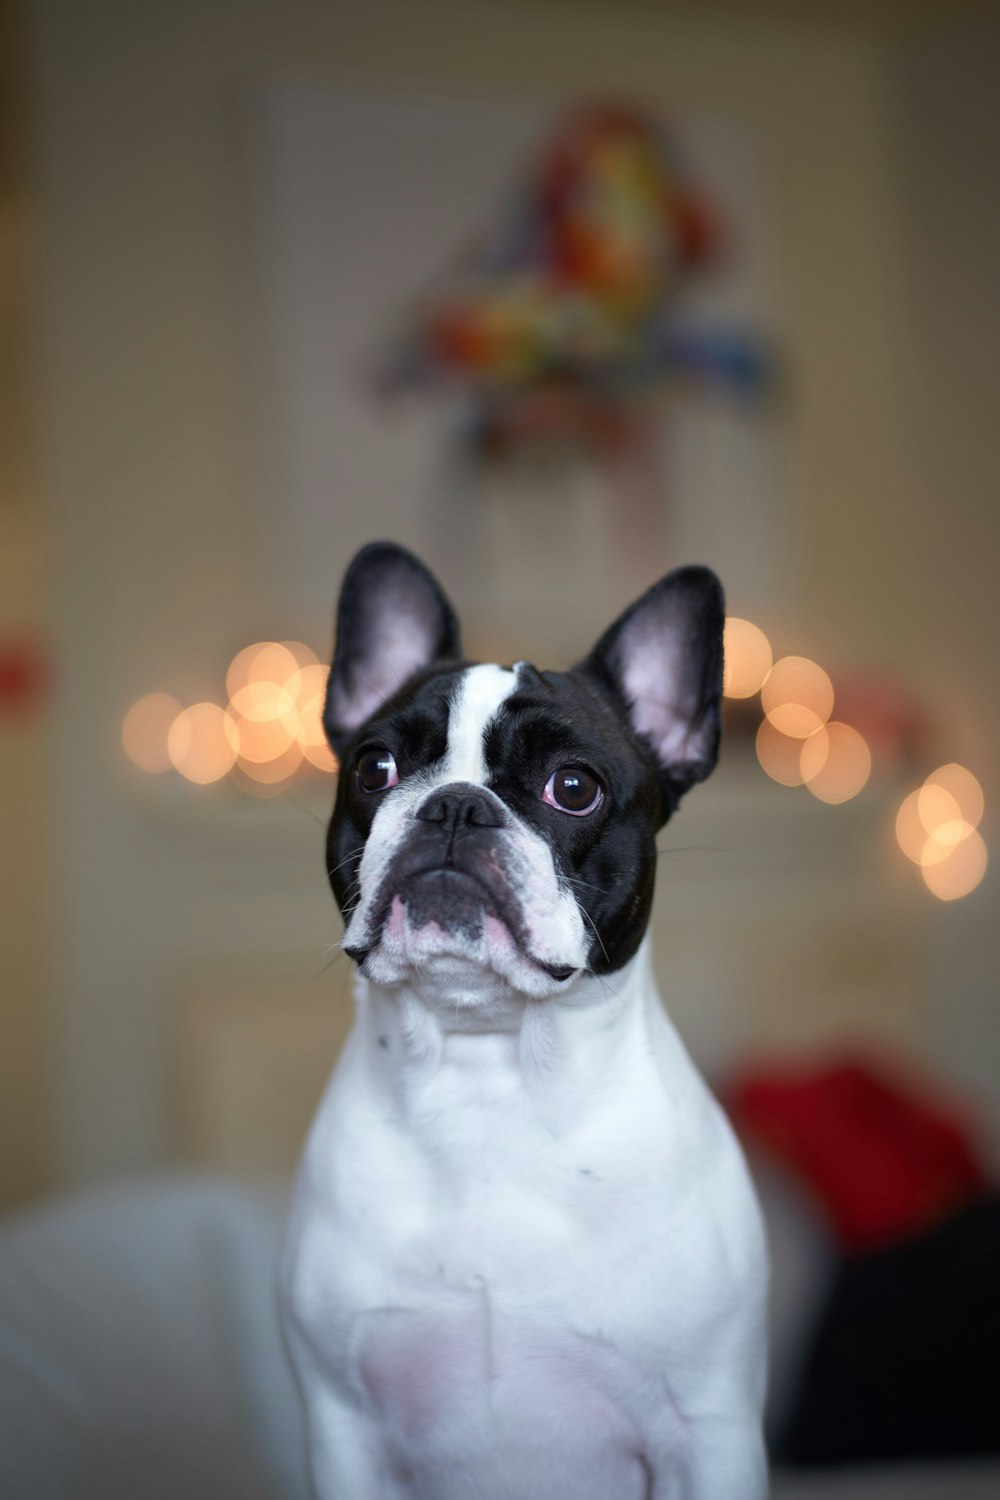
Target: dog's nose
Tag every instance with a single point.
(461, 805)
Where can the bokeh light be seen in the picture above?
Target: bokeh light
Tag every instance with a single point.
(780, 754)
(240, 671)
(281, 676)
(276, 768)
(277, 691)
(305, 659)
(262, 740)
(304, 655)
(936, 806)
(961, 868)
(911, 835)
(267, 661)
(145, 731)
(312, 682)
(936, 828)
(835, 762)
(747, 658)
(312, 738)
(203, 742)
(797, 696)
(271, 726)
(963, 787)
(312, 695)
(265, 699)
(267, 719)
(322, 757)
(939, 844)
(275, 663)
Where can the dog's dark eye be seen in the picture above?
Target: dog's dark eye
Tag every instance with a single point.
(376, 771)
(573, 790)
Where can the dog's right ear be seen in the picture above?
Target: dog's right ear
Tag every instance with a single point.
(662, 663)
(392, 621)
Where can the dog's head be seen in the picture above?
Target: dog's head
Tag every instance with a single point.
(495, 826)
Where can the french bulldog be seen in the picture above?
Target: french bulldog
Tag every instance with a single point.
(524, 1258)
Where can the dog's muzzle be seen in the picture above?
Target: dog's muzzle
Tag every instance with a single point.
(451, 868)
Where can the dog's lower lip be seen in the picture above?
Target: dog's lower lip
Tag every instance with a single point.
(451, 874)
(456, 874)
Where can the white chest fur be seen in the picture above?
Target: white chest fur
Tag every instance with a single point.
(526, 1260)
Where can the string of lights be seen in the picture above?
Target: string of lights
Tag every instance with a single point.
(270, 731)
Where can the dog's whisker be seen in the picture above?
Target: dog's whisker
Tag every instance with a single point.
(323, 968)
(695, 849)
(608, 989)
(309, 812)
(586, 885)
(346, 860)
(596, 933)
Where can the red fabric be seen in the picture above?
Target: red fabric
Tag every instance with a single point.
(22, 676)
(884, 1158)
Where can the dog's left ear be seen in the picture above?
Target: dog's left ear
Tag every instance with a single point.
(662, 662)
(393, 620)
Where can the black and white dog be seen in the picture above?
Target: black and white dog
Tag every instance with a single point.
(525, 1261)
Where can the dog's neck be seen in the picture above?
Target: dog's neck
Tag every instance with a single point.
(473, 1021)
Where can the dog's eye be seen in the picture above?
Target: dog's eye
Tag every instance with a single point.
(573, 790)
(376, 771)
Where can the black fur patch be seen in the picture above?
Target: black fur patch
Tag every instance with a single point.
(608, 858)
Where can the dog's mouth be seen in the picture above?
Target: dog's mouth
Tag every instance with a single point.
(450, 896)
(444, 905)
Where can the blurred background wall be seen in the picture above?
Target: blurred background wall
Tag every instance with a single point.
(161, 948)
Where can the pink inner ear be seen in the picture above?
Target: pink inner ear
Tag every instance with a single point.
(653, 679)
(401, 646)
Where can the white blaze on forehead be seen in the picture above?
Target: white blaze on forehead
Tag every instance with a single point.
(480, 696)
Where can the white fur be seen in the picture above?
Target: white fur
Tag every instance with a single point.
(481, 696)
(524, 1261)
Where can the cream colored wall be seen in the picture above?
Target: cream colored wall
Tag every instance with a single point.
(161, 569)
(25, 751)
(24, 742)
(943, 132)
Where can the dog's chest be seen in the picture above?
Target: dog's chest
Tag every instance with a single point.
(489, 1276)
(486, 1179)
(530, 1408)
(481, 1285)
(547, 1208)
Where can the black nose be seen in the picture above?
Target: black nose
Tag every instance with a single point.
(462, 805)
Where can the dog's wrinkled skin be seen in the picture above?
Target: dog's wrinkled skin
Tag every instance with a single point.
(524, 1261)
